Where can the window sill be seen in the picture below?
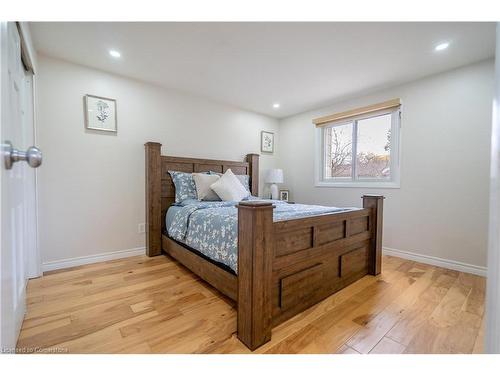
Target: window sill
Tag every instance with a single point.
(360, 184)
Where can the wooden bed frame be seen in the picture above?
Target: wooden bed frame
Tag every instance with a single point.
(283, 267)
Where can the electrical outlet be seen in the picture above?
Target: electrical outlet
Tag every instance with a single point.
(141, 228)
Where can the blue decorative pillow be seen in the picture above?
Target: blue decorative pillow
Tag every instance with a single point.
(184, 186)
(243, 178)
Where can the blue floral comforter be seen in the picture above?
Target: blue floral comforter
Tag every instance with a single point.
(212, 227)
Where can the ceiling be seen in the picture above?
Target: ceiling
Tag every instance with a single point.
(253, 65)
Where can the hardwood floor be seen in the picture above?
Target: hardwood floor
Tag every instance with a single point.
(154, 305)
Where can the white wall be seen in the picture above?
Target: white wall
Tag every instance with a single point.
(441, 209)
(91, 185)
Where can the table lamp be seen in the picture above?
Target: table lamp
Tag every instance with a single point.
(273, 177)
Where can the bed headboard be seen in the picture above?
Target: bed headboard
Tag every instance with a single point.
(160, 190)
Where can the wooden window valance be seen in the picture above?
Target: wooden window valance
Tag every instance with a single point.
(346, 115)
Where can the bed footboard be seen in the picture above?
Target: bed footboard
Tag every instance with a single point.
(287, 266)
(376, 205)
(255, 257)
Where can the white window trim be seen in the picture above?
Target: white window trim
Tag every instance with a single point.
(393, 183)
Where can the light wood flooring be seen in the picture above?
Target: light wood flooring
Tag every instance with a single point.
(154, 305)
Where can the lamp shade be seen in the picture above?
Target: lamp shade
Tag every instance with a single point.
(274, 176)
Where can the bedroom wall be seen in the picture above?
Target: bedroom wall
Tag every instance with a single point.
(91, 185)
(441, 209)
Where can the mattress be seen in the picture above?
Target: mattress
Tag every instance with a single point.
(212, 227)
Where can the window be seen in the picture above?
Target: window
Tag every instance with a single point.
(361, 150)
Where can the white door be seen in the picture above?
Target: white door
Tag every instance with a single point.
(18, 194)
(493, 281)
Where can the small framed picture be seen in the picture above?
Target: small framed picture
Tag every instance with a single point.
(284, 195)
(100, 113)
(266, 142)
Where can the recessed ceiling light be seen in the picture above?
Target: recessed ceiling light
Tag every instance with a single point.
(442, 46)
(114, 53)
(276, 105)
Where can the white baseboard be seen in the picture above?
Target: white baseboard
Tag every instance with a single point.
(79, 261)
(435, 261)
(427, 259)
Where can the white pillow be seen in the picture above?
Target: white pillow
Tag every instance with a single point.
(202, 182)
(229, 188)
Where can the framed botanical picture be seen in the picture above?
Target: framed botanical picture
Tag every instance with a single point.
(284, 194)
(100, 113)
(266, 142)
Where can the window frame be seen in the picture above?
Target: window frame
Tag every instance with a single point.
(320, 154)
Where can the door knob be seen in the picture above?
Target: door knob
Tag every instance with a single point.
(33, 155)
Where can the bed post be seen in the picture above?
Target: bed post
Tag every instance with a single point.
(153, 198)
(376, 204)
(255, 257)
(253, 161)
